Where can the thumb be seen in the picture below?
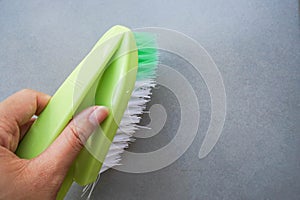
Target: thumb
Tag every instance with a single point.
(60, 155)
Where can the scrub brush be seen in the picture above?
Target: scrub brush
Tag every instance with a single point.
(145, 81)
(118, 73)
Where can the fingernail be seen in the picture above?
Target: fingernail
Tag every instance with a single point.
(98, 115)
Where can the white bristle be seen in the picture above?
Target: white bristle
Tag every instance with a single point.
(128, 126)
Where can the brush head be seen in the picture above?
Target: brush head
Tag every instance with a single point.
(145, 81)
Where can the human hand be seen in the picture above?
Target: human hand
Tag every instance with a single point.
(40, 177)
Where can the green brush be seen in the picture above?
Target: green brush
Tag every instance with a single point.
(120, 67)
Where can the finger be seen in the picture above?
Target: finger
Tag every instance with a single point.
(67, 146)
(22, 105)
(24, 128)
(16, 111)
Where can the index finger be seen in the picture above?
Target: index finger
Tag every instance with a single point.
(21, 106)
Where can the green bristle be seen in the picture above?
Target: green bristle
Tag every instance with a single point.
(147, 55)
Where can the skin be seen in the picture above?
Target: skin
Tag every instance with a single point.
(40, 177)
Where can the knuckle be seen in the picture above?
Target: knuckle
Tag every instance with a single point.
(4, 141)
(8, 133)
(75, 136)
(26, 91)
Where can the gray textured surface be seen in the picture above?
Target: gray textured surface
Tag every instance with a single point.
(255, 44)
